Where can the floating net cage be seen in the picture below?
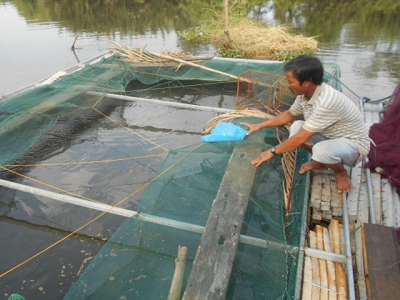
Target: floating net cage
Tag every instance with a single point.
(138, 260)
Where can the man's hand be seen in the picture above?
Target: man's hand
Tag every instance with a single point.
(252, 127)
(263, 157)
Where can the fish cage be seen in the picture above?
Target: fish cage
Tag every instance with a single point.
(125, 139)
(263, 90)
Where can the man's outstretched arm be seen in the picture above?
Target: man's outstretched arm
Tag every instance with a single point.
(281, 119)
(291, 143)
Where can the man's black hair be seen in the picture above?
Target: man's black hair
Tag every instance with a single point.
(305, 68)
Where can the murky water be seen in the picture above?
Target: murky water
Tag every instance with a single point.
(35, 42)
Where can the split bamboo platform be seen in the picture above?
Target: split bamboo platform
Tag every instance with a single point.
(374, 246)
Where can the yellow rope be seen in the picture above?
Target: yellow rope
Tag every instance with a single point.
(130, 130)
(94, 219)
(86, 198)
(85, 162)
(49, 185)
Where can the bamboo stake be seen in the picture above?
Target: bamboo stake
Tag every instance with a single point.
(73, 44)
(177, 280)
(226, 15)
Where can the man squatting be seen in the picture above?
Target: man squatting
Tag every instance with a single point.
(333, 129)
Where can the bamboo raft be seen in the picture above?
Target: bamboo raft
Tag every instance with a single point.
(325, 279)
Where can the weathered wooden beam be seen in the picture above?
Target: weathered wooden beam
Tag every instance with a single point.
(382, 254)
(376, 191)
(211, 270)
(361, 280)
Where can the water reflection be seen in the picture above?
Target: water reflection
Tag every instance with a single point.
(367, 30)
(342, 28)
(125, 17)
(325, 19)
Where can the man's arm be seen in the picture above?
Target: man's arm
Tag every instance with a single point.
(281, 119)
(291, 143)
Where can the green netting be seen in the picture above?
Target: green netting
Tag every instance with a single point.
(35, 112)
(138, 261)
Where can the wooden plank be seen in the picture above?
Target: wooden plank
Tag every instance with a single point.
(316, 290)
(212, 266)
(388, 206)
(331, 272)
(322, 264)
(382, 257)
(362, 209)
(306, 292)
(341, 280)
(361, 283)
(352, 197)
(376, 192)
(342, 240)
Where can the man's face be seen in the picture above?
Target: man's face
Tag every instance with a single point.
(294, 84)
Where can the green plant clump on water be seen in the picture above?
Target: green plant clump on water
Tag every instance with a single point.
(230, 52)
(288, 55)
(194, 35)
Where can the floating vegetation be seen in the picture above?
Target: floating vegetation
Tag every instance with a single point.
(247, 38)
(194, 35)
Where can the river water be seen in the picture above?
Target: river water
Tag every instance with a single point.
(362, 37)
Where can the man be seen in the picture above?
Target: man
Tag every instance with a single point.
(333, 130)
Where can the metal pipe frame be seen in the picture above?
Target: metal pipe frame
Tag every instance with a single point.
(167, 103)
(142, 216)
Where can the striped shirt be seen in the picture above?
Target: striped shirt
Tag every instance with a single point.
(332, 114)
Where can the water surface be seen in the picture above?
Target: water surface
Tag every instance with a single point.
(362, 37)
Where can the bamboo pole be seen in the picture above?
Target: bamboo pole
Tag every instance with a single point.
(73, 44)
(226, 15)
(322, 264)
(341, 282)
(330, 266)
(177, 280)
(316, 278)
(226, 19)
(308, 284)
(198, 66)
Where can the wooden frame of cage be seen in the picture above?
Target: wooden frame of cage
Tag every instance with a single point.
(277, 89)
